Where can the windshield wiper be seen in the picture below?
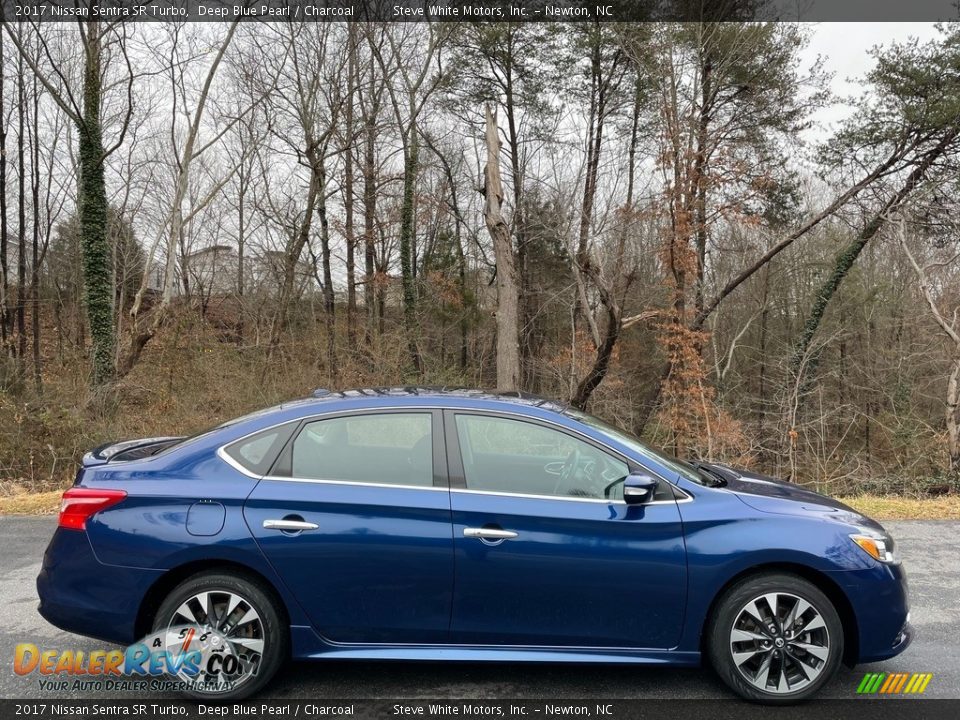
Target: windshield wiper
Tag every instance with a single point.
(718, 478)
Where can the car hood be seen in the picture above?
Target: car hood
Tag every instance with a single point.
(769, 495)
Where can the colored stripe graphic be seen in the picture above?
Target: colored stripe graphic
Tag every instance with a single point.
(902, 681)
(894, 683)
(889, 682)
(919, 684)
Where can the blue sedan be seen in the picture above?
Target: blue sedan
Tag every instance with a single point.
(425, 524)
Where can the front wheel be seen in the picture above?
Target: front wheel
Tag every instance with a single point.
(775, 638)
(233, 626)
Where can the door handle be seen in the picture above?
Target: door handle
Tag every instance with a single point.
(289, 525)
(489, 533)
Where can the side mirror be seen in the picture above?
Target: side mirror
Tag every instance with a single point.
(638, 488)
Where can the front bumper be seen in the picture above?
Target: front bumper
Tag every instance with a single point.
(81, 595)
(879, 598)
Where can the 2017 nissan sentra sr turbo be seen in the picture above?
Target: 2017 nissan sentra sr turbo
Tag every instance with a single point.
(425, 524)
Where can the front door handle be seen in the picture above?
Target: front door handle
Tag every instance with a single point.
(484, 533)
(289, 525)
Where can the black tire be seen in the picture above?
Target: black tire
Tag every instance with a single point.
(263, 600)
(727, 611)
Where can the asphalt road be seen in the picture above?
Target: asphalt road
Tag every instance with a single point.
(930, 549)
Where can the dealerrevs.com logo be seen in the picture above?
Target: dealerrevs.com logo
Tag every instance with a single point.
(180, 658)
(894, 683)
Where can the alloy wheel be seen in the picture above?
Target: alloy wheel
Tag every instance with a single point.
(779, 643)
(228, 625)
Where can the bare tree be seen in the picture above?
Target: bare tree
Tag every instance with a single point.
(418, 73)
(951, 330)
(85, 112)
(184, 156)
(508, 339)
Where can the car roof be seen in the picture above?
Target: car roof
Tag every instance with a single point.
(322, 395)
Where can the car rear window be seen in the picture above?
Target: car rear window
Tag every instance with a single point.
(257, 452)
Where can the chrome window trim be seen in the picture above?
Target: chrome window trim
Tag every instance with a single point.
(563, 498)
(358, 483)
(223, 455)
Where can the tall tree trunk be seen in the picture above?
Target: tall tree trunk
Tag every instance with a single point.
(21, 219)
(329, 298)
(36, 258)
(241, 249)
(93, 214)
(410, 167)
(700, 181)
(464, 323)
(292, 257)
(952, 417)
(529, 332)
(614, 325)
(508, 341)
(349, 229)
(369, 217)
(4, 268)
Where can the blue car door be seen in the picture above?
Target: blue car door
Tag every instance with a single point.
(355, 518)
(547, 553)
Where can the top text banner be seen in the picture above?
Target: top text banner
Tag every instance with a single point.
(480, 10)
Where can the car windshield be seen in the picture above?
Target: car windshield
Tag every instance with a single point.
(678, 466)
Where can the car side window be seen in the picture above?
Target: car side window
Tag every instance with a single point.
(387, 448)
(513, 456)
(257, 452)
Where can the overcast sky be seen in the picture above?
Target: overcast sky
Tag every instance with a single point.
(844, 48)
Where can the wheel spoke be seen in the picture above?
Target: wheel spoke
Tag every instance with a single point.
(185, 611)
(760, 679)
(821, 653)
(254, 644)
(801, 666)
(232, 604)
(249, 616)
(784, 684)
(796, 612)
(772, 599)
(754, 612)
(815, 622)
(737, 635)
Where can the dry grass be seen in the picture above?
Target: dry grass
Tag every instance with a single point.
(880, 508)
(945, 507)
(44, 503)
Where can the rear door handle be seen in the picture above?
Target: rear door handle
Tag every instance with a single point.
(289, 525)
(489, 533)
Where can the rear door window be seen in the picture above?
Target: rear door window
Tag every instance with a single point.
(387, 448)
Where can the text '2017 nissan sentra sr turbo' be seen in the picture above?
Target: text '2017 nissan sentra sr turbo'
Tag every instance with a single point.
(423, 524)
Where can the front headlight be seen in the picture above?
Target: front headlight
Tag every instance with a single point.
(877, 545)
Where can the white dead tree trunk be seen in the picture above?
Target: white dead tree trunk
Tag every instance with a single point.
(508, 339)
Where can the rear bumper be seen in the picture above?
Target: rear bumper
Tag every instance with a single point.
(880, 600)
(83, 596)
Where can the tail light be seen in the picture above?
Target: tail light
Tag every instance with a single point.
(79, 504)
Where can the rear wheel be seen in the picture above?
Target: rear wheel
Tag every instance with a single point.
(234, 623)
(775, 638)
